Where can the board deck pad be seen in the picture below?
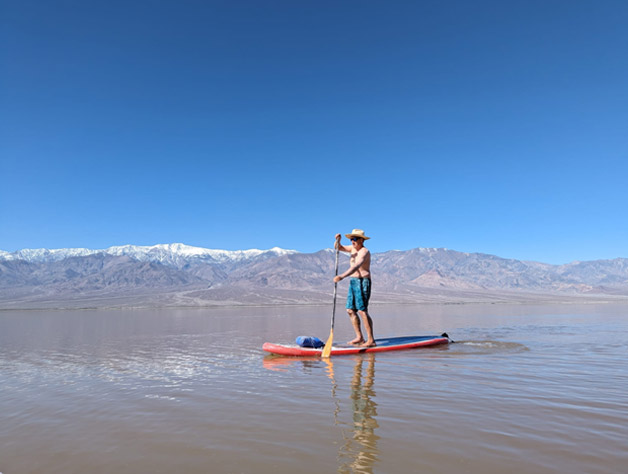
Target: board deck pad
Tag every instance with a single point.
(385, 344)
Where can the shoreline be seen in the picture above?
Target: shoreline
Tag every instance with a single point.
(63, 306)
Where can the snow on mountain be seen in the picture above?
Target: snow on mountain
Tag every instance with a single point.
(171, 254)
(46, 255)
(177, 274)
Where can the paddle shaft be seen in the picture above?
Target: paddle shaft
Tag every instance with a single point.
(333, 313)
(330, 340)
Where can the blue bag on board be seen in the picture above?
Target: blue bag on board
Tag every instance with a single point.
(310, 341)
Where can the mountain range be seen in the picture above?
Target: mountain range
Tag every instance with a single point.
(182, 275)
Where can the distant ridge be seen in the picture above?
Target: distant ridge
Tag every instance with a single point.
(181, 275)
(161, 252)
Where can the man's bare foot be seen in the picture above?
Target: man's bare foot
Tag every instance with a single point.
(357, 340)
(368, 344)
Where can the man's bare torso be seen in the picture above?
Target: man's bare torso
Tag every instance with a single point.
(364, 270)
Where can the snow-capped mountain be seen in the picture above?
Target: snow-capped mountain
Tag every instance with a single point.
(45, 255)
(182, 275)
(176, 254)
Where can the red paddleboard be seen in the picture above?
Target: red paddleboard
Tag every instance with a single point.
(383, 345)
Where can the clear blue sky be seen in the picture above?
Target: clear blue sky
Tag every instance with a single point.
(485, 126)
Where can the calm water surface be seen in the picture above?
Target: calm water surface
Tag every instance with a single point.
(527, 389)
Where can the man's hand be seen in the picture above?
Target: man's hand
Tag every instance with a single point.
(337, 279)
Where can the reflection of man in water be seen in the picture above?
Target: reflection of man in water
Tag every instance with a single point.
(362, 446)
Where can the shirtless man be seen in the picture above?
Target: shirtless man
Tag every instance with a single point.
(359, 286)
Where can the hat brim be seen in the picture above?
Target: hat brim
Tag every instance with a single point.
(348, 236)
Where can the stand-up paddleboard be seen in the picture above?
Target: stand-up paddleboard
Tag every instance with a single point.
(383, 345)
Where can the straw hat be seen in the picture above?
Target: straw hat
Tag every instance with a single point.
(357, 233)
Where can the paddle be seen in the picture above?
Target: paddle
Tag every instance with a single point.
(330, 340)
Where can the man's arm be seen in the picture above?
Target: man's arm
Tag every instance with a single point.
(341, 247)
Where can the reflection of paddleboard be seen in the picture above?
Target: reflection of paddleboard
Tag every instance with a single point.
(383, 345)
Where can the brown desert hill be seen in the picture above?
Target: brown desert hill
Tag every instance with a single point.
(437, 275)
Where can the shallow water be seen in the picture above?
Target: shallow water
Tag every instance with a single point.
(525, 389)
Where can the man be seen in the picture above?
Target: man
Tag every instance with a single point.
(359, 286)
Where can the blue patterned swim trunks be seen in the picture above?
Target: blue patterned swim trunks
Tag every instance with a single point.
(359, 294)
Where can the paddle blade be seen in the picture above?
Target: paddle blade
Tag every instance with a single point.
(327, 348)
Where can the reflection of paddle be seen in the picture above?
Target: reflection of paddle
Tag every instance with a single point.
(330, 340)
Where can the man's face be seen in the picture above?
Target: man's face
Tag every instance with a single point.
(357, 242)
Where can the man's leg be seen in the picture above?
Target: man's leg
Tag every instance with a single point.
(368, 328)
(355, 322)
